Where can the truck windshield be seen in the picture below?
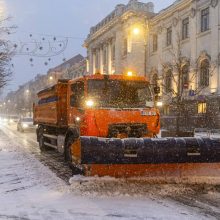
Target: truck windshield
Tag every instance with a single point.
(120, 93)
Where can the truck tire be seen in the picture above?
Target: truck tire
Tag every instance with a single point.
(67, 151)
(42, 146)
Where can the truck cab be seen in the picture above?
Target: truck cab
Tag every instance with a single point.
(112, 106)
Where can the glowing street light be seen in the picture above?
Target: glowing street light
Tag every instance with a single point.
(27, 91)
(129, 73)
(50, 78)
(136, 31)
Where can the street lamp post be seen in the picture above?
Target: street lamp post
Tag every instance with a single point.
(27, 96)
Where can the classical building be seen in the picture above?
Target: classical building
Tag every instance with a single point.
(72, 68)
(183, 38)
(117, 44)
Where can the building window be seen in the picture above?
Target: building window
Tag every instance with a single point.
(155, 79)
(205, 19)
(169, 36)
(185, 28)
(166, 110)
(185, 76)
(202, 108)
(155, 43)
(125, 47)
(168, 81)
(204, 73)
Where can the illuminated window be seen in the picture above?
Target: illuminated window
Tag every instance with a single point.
(166, 110)
(202, 107)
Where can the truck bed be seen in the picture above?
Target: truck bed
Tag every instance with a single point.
(51, 108)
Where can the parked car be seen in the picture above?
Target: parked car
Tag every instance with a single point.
(25, 124)
(13, 119)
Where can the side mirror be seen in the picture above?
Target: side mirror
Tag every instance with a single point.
(156, 90)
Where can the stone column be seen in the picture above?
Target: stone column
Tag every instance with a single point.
(90, 61)
(109, 61)
(101, 60)
(118, 51)
(93, 63)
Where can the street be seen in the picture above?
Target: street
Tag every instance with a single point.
(37, 186)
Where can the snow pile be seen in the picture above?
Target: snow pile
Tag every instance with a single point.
(109, 186)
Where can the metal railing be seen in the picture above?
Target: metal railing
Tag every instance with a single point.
(206, 132)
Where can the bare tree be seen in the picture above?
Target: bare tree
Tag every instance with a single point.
(179, 74)
(6, 53)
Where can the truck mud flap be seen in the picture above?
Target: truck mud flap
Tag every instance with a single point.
(149, 151)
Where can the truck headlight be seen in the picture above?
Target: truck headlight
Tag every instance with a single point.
(78, 119)
(90, 103)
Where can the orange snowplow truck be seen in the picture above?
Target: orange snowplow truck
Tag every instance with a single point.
(106, 125)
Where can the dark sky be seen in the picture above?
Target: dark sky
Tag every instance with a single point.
(72, 18)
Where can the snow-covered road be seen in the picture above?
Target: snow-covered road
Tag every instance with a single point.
(31, 190)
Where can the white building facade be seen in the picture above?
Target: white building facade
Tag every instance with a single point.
(117, 44)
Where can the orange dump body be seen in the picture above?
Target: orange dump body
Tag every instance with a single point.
(52, 105)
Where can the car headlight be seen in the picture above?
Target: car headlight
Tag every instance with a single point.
(24, 125)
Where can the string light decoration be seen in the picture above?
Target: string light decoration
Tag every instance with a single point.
(42, 46)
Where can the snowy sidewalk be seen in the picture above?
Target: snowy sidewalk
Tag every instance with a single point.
(29, 190)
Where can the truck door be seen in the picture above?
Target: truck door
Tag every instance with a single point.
(76, 101)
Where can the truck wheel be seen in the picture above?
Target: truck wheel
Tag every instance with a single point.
(68, 152)
(42, 146)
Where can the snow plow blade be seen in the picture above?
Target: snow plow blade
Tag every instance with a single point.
(155, 158)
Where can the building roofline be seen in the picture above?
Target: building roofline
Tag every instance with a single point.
(164, 13)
